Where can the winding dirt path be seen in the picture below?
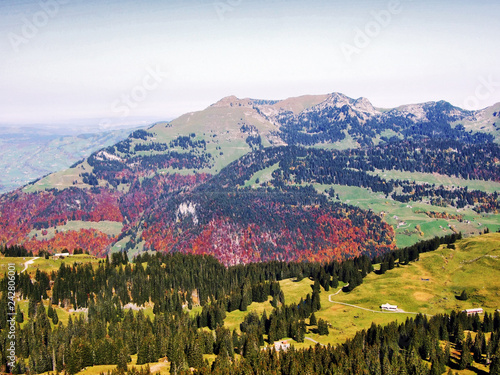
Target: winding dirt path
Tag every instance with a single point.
(316, 342)
(28, 263)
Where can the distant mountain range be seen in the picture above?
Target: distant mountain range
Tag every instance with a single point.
(307, 178)
(28, 153)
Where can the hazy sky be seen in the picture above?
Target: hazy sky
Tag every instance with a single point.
(116, 61)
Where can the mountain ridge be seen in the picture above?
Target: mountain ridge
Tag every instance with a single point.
(160, 186)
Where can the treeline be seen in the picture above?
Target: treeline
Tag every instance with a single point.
(312, 127)
(171, 282)
(435, 155)
(405, 348)
(198, 279)
(331, 124)
(441, 196)
(126, 166)
(184, 142)
(15, 251)
(412, 253)
(356, 168)
(288, 224)
(110, 335)
(141, 134)
(116, 171)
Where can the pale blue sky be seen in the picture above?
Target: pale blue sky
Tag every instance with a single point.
(68, 60)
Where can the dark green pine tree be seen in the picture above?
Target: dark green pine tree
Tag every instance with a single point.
(468, 340)
(391, 263)
(496, 320)
(301, 332)
(477, 347)
(43, 361)
(322, 327)
(495, 363)
(384, 266)
(50, 311)
(147, 350)
(223, 341)
(31, 308)
(463, 296)
(312, 320)
(487, 323)
(386, 366)
(179, 365)
(466, 357)
(438, 359)
(245, 301)
(176, 354)
(55, 317)
(195, 355)
(122, 359)
(86, 355)
(222, 364)
(373, 360)
(398, 364)
(281, 297)
(334, 282)
(3, 312)
(459, 334)
(316, 286)
(72, 361)
(106, 352)
(250, 347)
(19, 315)
(272, 332)
(316, 301)
(236, 341)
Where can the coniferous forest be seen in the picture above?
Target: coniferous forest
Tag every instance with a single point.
(108, 333)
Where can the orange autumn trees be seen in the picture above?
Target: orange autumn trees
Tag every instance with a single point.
(256, 225)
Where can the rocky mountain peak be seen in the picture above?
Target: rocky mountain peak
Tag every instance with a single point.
(233, 101)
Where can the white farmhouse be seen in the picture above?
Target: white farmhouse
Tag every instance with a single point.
(388, 307)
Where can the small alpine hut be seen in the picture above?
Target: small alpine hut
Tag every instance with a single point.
(388, 307)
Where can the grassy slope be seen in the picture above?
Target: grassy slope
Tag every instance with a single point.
(473, 266)
(439, 179)
(449, 272)
(161, 367)
(486, 122)
(108, 227)
(404, 217)
(62, 179)
(46, 265)
(264, 175)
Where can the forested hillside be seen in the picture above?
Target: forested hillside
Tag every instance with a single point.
(182, 302)
(309, 178)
